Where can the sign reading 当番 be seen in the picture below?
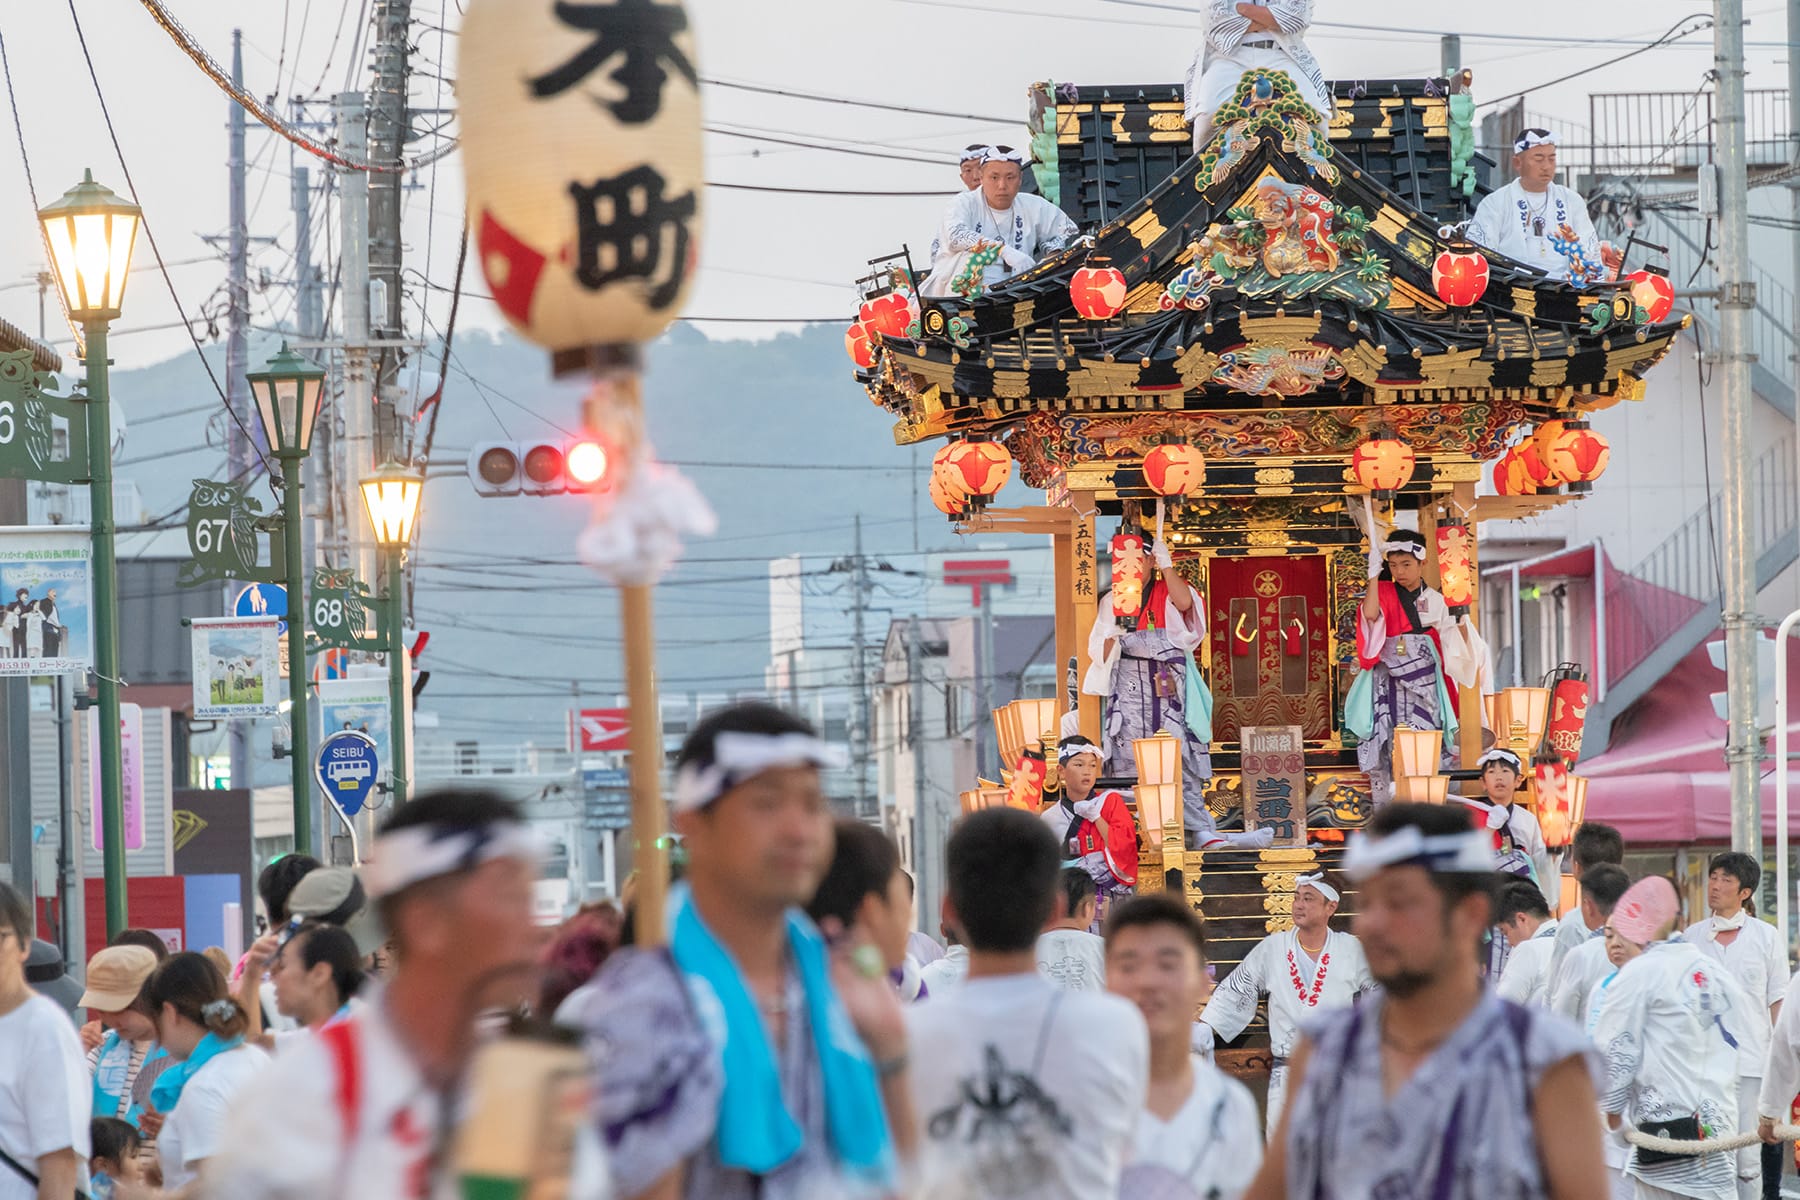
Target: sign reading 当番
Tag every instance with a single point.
(1275, 782)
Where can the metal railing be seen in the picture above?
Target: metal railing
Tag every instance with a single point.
(1648, 604)
(1771, 329)
(1659, 134)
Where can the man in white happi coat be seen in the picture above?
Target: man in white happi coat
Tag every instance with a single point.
(1308, 969)
(1669, 1025)
(1594, 843)
(1021, 228)
(968, 166)
(1541, 223)
(1523, 918)
(1751, 951)
(1241, 37)
(1586, 965)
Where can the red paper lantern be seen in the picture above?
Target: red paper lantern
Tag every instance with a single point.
(1175, 470)
(1383, 465)
(1130, 576)
(1652, 292)
(859, 344)
(981, 469)
(887, 315)
(949, 503)
(1568, 718)
(1098, 291)
(1510, 478)
(1536, 465)
(1460, 277)
(1579, 455)
(1456, 574)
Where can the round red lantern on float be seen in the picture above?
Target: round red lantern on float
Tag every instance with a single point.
(1175, 470)
(1536, 465)
(1510, 478)
(1652, 292)
(1098, 290)
(1568, 718)
(1579, 455)
(859, 344)
(948, 503)
(947, 476)
(1460, 277)
(887, 315)
(981, 468)
(1383, 465)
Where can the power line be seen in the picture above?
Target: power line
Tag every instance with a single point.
(777, 141)
(845, 100)
(1675, 33)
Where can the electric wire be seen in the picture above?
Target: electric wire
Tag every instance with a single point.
(31, 187)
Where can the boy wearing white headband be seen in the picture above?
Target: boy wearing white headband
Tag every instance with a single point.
(1513, 824)
(1095, 830)
(1305, 970)
(1019, 229)
(1433, 1086)
(1410, 649)
(1541, 223)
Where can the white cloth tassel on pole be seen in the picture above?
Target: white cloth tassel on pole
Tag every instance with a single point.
(1159, 523)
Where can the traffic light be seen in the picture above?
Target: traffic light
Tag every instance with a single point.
(1765, 681)
(494, 469)
(541, 468)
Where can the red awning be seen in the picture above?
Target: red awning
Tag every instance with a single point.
(1663, 779)
(1576, 563)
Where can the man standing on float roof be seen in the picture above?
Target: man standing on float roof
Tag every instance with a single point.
(1305, 970)
(1541, 223)
(1020, 229)
(1241, 37)
(1409, 648)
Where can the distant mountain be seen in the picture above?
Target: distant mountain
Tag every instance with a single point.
(518, 629)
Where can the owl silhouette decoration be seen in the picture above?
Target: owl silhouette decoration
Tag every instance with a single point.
(222, 534)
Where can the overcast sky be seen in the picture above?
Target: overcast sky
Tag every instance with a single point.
(763, 256)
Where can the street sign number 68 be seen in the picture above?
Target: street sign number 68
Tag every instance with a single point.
(328, 614)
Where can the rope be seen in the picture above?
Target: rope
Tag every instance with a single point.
(1718, 1145)
(261, 112)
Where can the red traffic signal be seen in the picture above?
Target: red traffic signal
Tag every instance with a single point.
(543, 468)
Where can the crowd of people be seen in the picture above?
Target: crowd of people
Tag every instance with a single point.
(792, 1035)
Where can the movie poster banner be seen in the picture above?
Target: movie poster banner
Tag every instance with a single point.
(46, 601)
(237, 667)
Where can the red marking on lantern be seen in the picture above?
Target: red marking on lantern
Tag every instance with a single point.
(1098, 292)
(1579, 455)
(887, 315)
(1460, 277)
(1652, 292)
(1175, 470)
(1383, 465)
(510, 267)
(859, 344)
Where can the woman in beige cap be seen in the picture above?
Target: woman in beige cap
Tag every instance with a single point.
(114, 997)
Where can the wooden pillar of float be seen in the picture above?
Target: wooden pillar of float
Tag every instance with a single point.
(1086, 566)
(1469, 712)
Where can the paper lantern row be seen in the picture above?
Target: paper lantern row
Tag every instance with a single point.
(1558, 453)
(966, 475)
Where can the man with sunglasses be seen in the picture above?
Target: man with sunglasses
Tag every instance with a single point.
(1541, 223)
(992, 233)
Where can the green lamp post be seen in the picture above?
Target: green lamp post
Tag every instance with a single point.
(288, 392)
(90, 232)
(391, 496)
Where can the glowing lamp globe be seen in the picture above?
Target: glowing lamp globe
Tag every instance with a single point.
(1536, 465)
(982, 467)
(887, 315)
(1652, 292)
(1460, 277)
(859, 344)
(1175, 470)
(1579, 455)
(948, 503)
(1383, 465)
(1098, 292)
(948, 479)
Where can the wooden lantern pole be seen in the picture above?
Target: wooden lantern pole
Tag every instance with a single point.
(647, 817)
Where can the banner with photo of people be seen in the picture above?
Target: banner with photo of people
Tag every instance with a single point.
(46, 601)
(237, 667)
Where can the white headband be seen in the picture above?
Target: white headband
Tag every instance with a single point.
(974, 154)
(1068, 750)
(1449, 853)
(993, 154)
(1317, 883)
(1533, 137)
(738, 757)
(1404, 546)
(1503, 755)
(419, 852)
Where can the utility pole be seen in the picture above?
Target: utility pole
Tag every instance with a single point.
(927, 839)
(1737, 297)
(389, 122)
(315, 468)
(859, 675)
(237, 362)
(1450, 62)
(358, 449)
(985, 753)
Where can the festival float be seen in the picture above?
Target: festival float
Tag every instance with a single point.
(1259, 353)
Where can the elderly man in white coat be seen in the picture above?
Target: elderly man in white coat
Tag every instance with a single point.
(1242, 36)
(1304, 970)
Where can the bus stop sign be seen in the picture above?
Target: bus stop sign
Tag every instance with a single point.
(346, 769)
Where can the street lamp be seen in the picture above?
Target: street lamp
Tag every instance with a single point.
(288, 391)
(391, 496)
(90, 232)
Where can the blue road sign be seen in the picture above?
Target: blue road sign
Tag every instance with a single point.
(346, 768)
(263, 600)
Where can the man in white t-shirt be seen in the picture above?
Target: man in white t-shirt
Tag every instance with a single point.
(364, 1108)
(1199, 1135)
(1595, 844)
(1573, 984)
(1751, 952)
(1022, 1089)
(1523, 918)
(1067, 954)
(45, 1094)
